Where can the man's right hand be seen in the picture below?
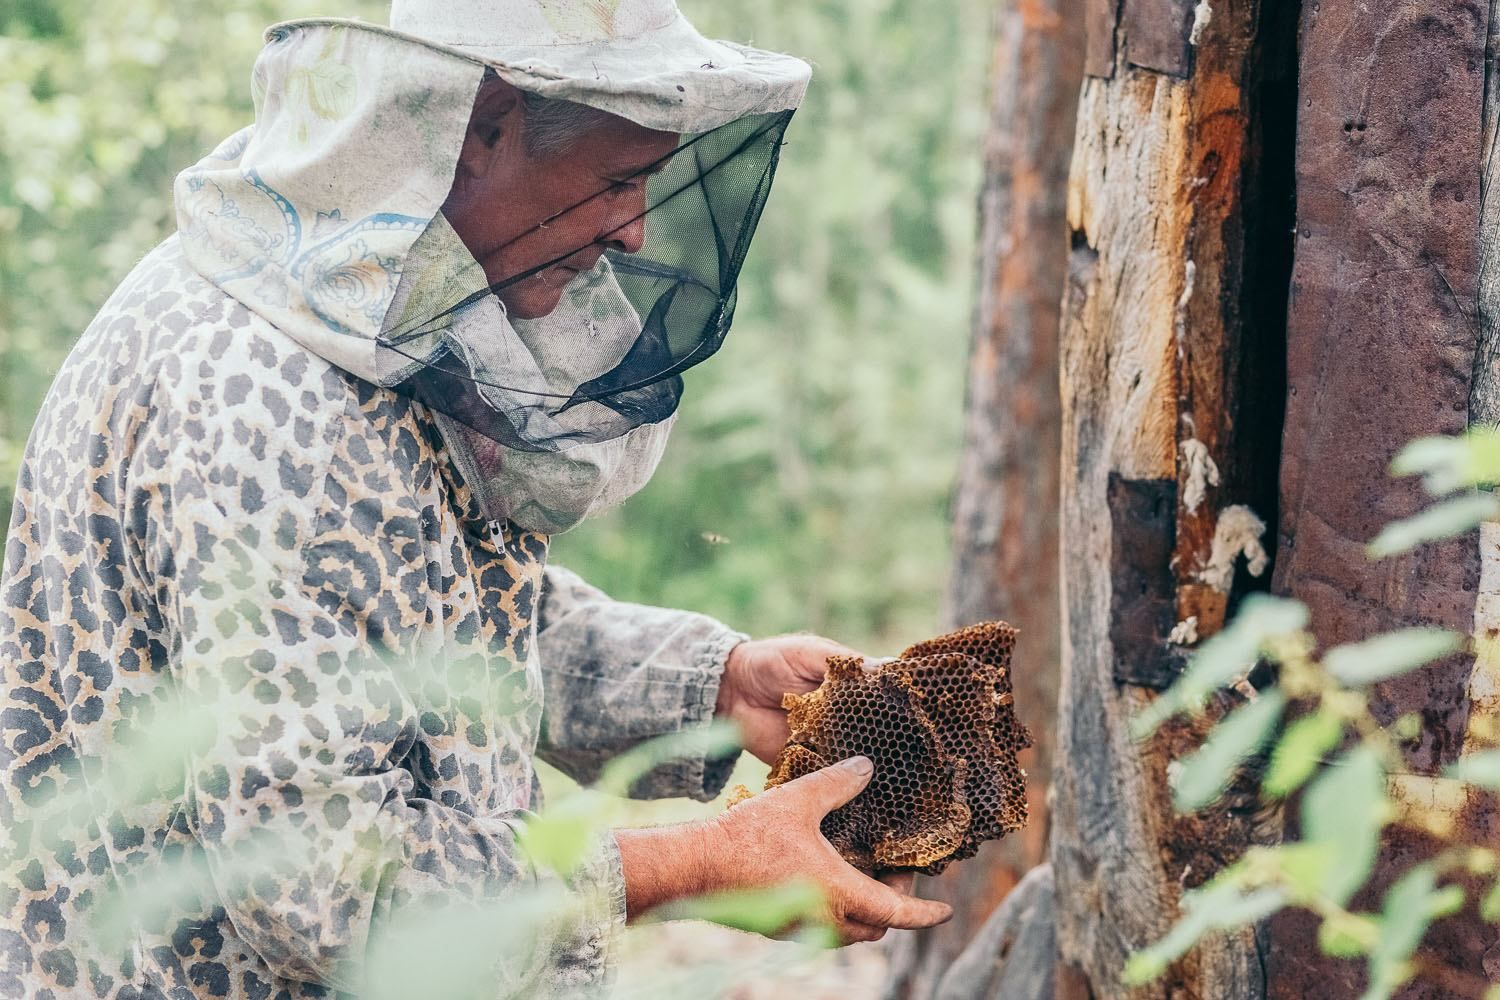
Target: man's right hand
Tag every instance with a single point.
(770, 839)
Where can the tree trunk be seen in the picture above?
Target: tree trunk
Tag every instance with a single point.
(1005, 510)
(1382, 348)
(1171, 389)
(1180, 356)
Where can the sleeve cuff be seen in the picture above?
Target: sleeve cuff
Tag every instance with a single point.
(698, 777)
(711, 773)
(584, 950)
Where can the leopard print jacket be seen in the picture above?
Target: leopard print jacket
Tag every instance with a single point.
(210, 516)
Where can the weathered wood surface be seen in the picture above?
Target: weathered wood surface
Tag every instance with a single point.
(1006, 502)
(1014, 955)
(1484, 388)
(1381, 349)
(1171, 398)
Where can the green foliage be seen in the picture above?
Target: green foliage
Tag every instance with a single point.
(1389, 655)
(1220, 905)
(1411, 905)
(104, 103)
(445, 946)
(1343, 812)
(1450, 464)
(717, 739)
(1441, 520)
(1481, 769)
(1345, 806)
(1204, 774)
(761, 911)
(1447, 465)
(561, 836)
(1347, 935)
(1301, 750)
(1489, 906)
(1225, 656)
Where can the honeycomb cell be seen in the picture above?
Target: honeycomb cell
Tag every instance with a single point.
(939, 723)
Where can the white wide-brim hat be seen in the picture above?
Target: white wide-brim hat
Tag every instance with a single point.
(639, 59)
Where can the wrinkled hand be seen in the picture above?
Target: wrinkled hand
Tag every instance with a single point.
(775, 836)
(758, 673)
(771, 839)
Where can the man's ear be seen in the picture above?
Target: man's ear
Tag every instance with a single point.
(494, 125)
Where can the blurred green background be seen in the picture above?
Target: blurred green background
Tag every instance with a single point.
(807, 485)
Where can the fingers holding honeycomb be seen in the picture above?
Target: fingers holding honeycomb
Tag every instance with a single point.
(939, 723)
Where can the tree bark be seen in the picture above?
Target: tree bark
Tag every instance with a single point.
(1180, 355)
(1171, 389)
(1005, 509)
(1393, 138)
(1015, 954)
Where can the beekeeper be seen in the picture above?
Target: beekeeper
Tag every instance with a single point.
(300, 473)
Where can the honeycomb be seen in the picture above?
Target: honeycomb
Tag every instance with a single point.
(939, 723)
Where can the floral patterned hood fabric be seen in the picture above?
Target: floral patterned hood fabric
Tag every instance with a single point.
(324, 218)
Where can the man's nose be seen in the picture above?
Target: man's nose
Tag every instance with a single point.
(631, 236)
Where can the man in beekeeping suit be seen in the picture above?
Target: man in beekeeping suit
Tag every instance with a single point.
(278, 639)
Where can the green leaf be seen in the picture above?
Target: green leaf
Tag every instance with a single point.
(1225, 656)
(1489, 906)
(1300, 751)
(1345, 809)
(1407, 726)
(451, 948)
(1303, 868)
(1427, 455)
(1410, 907)
(1481, 768)
(717, 739)
(1441, 520)
(1347, 935)
(1221, 904)
(560, 836)
(1447, 901)
(1205, 773)
(762, 911)
(1448, 464)
(1390, 654)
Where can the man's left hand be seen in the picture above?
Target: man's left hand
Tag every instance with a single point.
(758, 673)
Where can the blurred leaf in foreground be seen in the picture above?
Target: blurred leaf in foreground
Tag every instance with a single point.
(1344, 810)
(1224, 657)
(1204, 774)
(1389, 655)
(1300, 751)
(1441, 520)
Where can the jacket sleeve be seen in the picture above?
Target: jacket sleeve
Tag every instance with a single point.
(617, 674)
(282, 581)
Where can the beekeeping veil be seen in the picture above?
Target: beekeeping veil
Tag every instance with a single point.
(324, 217)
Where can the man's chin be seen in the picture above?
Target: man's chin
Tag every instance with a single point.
(533, 303)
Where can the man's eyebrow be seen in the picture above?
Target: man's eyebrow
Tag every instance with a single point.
(655, 166)
(646, 171)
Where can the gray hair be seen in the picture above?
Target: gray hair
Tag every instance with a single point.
(554, 125)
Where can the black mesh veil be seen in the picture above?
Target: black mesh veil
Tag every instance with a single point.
(610, 357)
